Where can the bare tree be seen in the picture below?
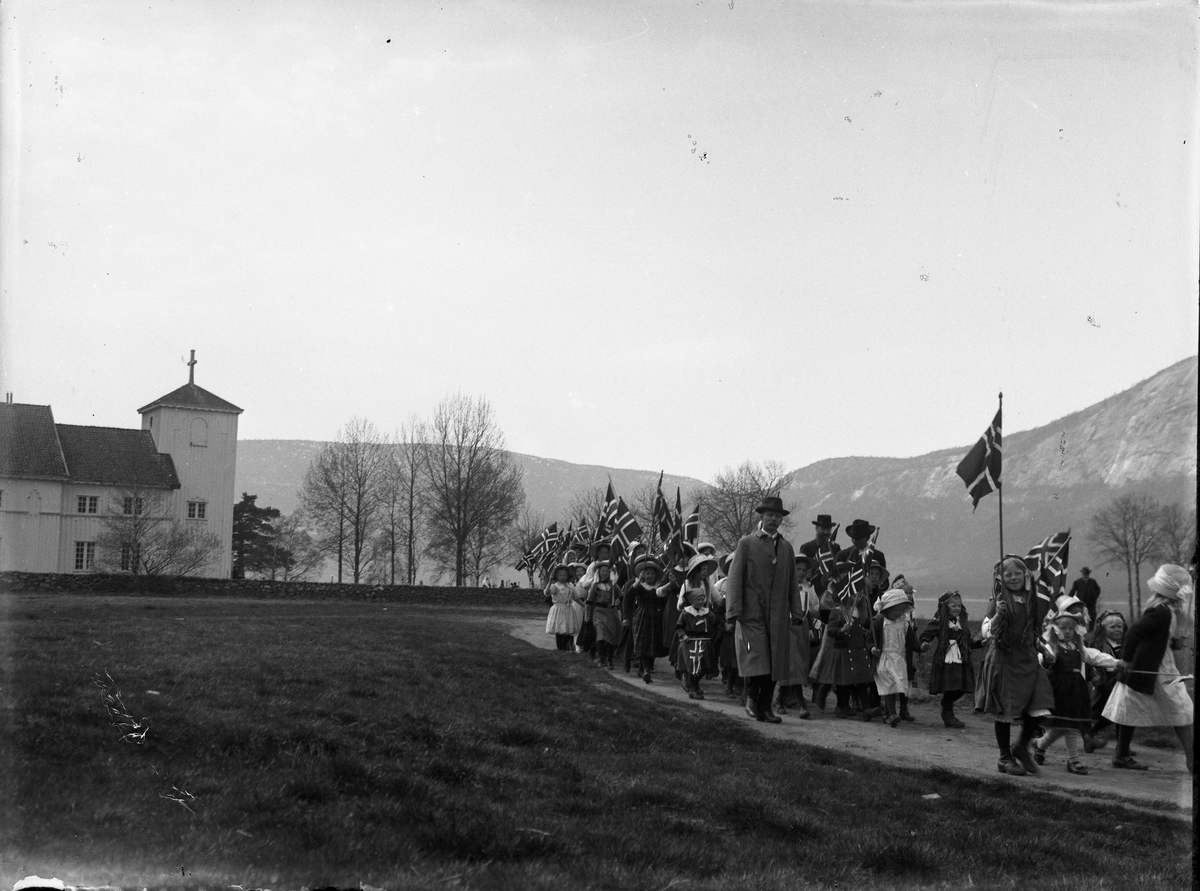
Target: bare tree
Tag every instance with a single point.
(323, 499)
(341, 493)
(730, 502)
(407, 467)
(585, 507)
(473, 483)
(140, 537)
(641, 505)
(293, 555)
(1127, 532)
(1176, 534)
(526, 531)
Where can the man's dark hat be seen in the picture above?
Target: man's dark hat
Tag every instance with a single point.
(860, 529)
(774, 503)
(1086, 571)
(823, 520)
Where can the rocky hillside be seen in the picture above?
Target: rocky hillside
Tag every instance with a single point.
(1055, 477)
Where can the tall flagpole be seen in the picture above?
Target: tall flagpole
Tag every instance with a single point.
(999, 485)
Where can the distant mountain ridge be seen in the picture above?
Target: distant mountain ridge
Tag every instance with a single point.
(1055, 477)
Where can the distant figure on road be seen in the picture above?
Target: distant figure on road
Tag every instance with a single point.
(1086, 589)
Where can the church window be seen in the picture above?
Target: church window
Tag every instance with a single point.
(199, 432)
(85, 555)
(88, 504)
(197, 510)
(132, 506)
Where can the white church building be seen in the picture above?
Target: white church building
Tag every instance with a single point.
(58, 482)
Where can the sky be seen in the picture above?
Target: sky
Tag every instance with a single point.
(672, 235)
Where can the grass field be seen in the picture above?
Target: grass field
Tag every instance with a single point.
(322, 743)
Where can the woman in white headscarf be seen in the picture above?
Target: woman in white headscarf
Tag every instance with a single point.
(1149, 691)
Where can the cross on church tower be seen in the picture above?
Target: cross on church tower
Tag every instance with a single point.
(192, 368)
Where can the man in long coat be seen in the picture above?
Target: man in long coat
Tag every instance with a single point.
(761, 598)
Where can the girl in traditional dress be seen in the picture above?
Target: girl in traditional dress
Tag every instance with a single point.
(951, 672)
(697, 625)
(603, 607)
(1107, 637)
(1149, 691)
(1066, 659)
(1014, 686)
(641, 607)
(563, 620)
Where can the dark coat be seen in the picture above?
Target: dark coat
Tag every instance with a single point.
(939, 630)
(1145, 643)
(762, 594)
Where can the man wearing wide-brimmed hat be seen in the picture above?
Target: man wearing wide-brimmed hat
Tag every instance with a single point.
(761, 598)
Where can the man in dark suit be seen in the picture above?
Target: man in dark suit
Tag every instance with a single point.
(812, 550)
(1087, 590)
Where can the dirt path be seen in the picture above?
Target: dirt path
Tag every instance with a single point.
(926, 743)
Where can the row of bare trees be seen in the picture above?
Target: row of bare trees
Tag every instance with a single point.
(444, 489)
(1134, 530)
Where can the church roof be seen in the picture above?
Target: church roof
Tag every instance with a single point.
(113, 456)
(32, 446)
(191, 396)
(29, 446)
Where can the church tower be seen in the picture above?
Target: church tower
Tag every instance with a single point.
(199, 431)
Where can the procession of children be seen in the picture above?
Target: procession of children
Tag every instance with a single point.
(1041, 670)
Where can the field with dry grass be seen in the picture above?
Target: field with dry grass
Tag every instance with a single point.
(201, 743)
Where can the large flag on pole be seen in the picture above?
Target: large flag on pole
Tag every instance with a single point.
(980, 469)
(625, 527)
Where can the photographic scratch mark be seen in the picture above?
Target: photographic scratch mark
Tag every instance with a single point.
(840, 198)
(623, 39)
(1091, 320)
(58, 244)
(924, 276)
(1062, 449)
(877, 93)
(847, 119)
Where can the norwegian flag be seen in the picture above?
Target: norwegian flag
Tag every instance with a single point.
(625, 527)
(980, 469)
(583, 535)
(1048, 562)
(826, 561)
(607, 515)
(854, 582)
(662, 516)
(691, 526)
(548, 539)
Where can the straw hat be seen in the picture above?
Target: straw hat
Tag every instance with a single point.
(1170, 582)
(700, 560)
(894, 597)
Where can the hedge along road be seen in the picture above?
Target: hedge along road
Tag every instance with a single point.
(925, 743)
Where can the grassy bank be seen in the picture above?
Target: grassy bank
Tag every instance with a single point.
(295, 744)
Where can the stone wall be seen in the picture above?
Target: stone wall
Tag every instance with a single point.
(160, 586)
